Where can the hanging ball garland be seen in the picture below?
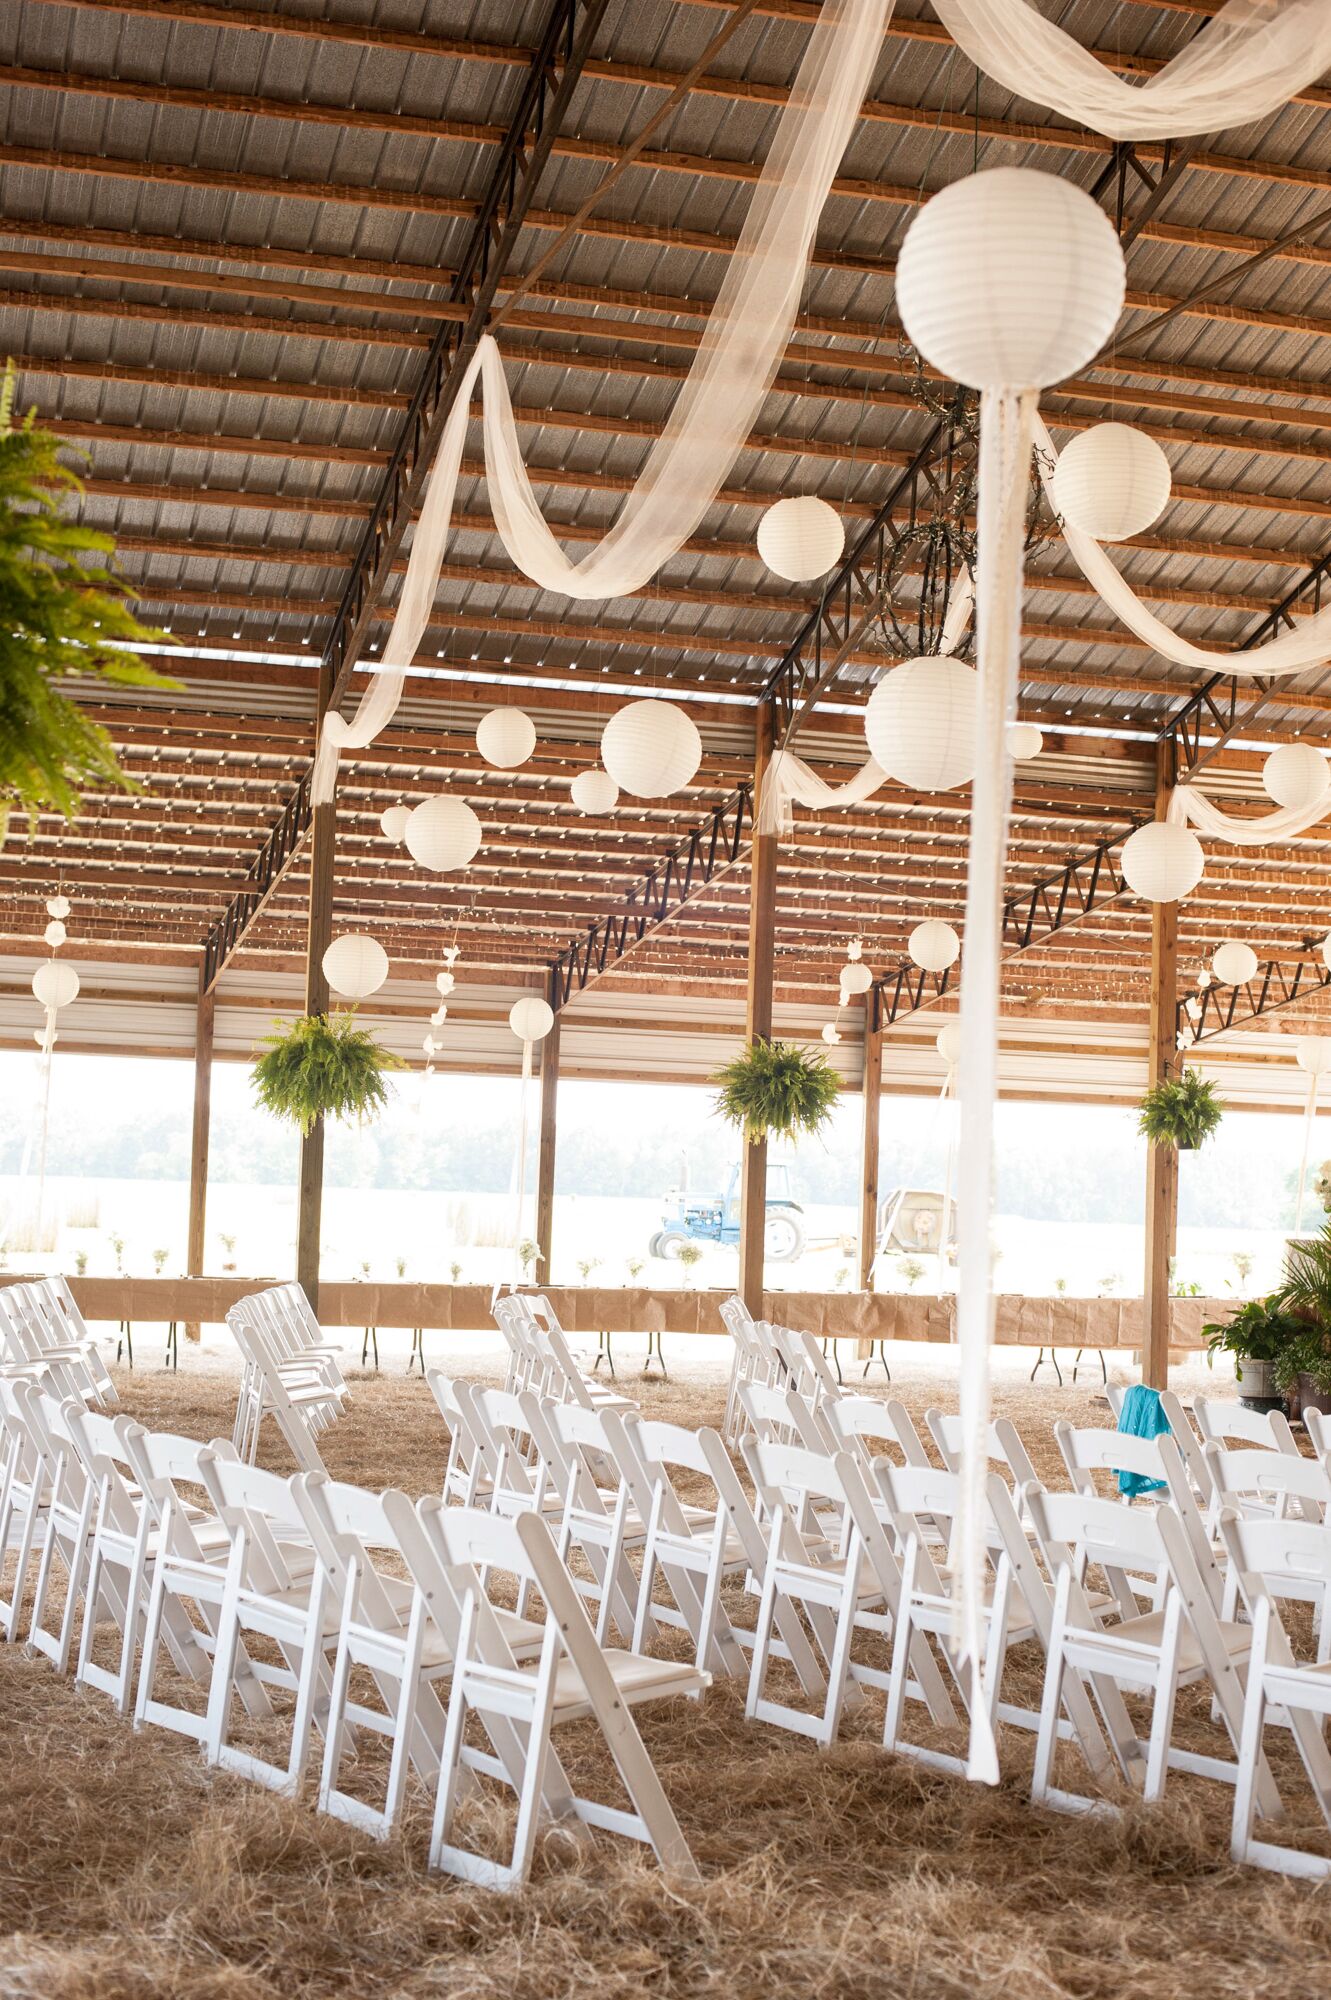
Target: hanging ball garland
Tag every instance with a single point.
(531, 1019)
(58, 906)
(1025, 740)
(594, 791)
(1296, 775)
(355, 966)
(933, 945)
(55, 934)
(1162, 862)
(443, 834)
(445, 981)
(651, 748)
(1112, 481)
(506, 737)
(394, 822)
(1234, 964)
(800, 538)
(1010, 279)
(920, 723)
(55, 985)
(831, 1033)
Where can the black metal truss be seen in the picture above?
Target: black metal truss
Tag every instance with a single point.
(1272, 986)
(268, 865)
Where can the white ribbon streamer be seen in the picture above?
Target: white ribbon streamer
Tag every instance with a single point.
(1189, 802)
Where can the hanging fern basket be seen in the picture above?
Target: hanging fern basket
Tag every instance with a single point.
(1181, 1111)
(323, 1066)
(777, 1090)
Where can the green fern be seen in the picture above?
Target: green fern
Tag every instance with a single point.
(1180, 1111)
(63, 612)
(323, 1067)
(776, 1088)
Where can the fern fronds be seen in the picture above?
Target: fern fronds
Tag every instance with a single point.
(321, 1066)
(777, 1088)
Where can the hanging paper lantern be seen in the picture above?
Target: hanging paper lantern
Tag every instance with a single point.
(55, 984)
(1025, 740)
(1162, 862)
(1234, 964)
(531, 1019)
(1010, 279)
(856, 977)
(445, 981)
(1296, 775)
(651, 748)
(855, 949)
(355, 966)
(506, 737)
(594, 791)
(801, 538)
(443, 834)
(452, 955)
(430, 1045)
(394, 822)
(439, 1016)
(831, 1033)
(1314, 1053)
(948, 1043)
(55, 934)
(933, 945)
(1112, 481)
(58, 906)
(920, 723)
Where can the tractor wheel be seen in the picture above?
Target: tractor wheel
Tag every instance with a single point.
(654, 1246)
(672, 1242)
(783, 1238)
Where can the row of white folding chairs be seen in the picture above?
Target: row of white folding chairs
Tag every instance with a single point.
(289, 1371)
(338, 1580)
(540, 1357)
(43, 1337)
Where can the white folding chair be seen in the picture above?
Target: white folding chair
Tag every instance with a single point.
(781, 1415)
(598, 1516)
(66, 1525)
(748, 1362)
(25, 1494)
(119, 1553)
(1268, 1485)
(1003, 1442)
(565, 1382)
(1230, 1423)
(58, 1324)
(464, 1473)
(299, 1400)
(1185, 1435)
(25, 1355)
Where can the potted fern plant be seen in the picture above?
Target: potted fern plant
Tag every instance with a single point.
(777, 1089)
(1303, 1367)
(323, 1066)
(1257, 1334)
(1180, 1111)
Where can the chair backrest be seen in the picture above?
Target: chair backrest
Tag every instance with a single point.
(1184, 1433)
(1004, 1444)
(789, 1480)
(862, 1425)
(1251, 1480)
(817, 1375)
(162, 1464)
(1231, 1423)
(246, 1320)
(1319, 1431)
(1279, 1553)
(348, 1527)
(250, 1502)
(464, 1471)
(1089, 1530)
(1088, 1451)
(512, 1460)
(779, 1415)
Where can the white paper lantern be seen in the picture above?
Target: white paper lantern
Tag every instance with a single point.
(1233, 963)
(443, 834)
(1025, 740)
(856, 978)
(1010, 279)
(1162, 861)
(1296, 775)
(801, 538)
(933, 945)
(58, 906)
(394, 822)
(445, 981)
(430, 1045)
(55, 934)
(594, 791)
(54, 984)
(1112, 481)
(531, 1019)
(920, 723)
(1314, 1053)
(355, 966)
(506, 737)
(948, 1043)
(831, 1033)
(651, 748)
(439, 1016)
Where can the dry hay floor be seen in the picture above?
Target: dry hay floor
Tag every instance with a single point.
(127, 1872)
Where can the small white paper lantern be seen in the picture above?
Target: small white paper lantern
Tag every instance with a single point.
(1314, 1053)
(920, 723)
(933, 945)
(58, 906)
(443, 834)
(594, 791)
(394, 822)
(355, 966)
(948, 1043)
(445, 981)
(1296, 775)
(1162, 862)
(856, 977)
(54, 984)
(531, 1019)
(651, 748)
(506, 737)
(1112, 481)
(801, 538)
(55, 934)
(1233, 963)
(1010, 279)
(1025, 740)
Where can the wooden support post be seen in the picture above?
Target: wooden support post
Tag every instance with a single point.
(545, 1157)
(873, 1101)
(1162, 1161)
(196, 1245)
(309, 1216)
(758, 1022)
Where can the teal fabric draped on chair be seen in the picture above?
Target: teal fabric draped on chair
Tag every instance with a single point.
(1141, 1416)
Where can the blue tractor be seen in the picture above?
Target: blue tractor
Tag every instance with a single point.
(714, 1218)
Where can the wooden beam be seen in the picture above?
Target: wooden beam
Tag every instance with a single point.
(309, 1220)
(1161, 1161)
(196, 1246)
(873, 1104)
(545, 1157)
(758, 1022)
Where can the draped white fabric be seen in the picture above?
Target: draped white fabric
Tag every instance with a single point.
(746, 335)
(1189, 802)
(1252, 57)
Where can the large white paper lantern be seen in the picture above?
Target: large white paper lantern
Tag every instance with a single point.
(443, 834)
(801, 538)
(651, 748)
(1233, 963)
(1112, 481)
(856, 977)
(948, 1043)
(1162, 862)
(355, 966)
(531, 1019)
(933, 945)
(55, 984)
(594, 791)
(1314, 1053)
(920, 723)
(1010, 279)
(506, 737)
(1025, 740)
(1296, 775)
(393, 820)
